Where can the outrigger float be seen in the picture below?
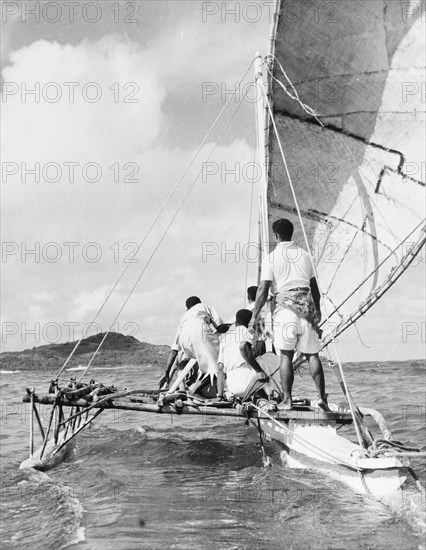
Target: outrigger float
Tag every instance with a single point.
(357, 208)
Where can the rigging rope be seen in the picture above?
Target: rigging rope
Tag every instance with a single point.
(294, 96)
(377, 294)
(84, 334)
(377, 268)
(350, 402)
(251, 209)
(160, 240)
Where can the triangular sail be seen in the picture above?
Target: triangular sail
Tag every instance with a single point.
(360, 179)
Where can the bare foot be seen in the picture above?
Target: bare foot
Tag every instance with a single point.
(285, 405)
(323, 405)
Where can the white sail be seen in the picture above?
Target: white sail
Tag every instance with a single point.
(359, 178)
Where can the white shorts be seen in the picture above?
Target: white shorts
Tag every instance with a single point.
(292, 332)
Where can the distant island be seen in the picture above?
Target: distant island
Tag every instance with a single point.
(117, 349)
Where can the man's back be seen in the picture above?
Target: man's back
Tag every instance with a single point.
(288, 266)
(230, 354)
(200, 311)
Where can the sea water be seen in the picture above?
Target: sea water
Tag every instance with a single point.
(141, 481)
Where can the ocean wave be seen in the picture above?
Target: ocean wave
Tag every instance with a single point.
(32, 496)
(118, 367)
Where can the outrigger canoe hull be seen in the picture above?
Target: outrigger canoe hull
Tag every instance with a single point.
(307, 435)
(319, 447)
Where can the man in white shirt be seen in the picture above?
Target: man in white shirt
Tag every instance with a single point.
(197, 337)
(288, 269)
(236, 360)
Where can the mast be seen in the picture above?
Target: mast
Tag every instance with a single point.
(262, 118)
(262, 126)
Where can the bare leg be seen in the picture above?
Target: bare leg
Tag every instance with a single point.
(287, 374)
(173, 370)
(317, 374)
(220, 380)
(182, 386)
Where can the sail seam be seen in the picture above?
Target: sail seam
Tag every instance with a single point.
(333, 128)
(387, 169)
(354, 75)
(320, 216)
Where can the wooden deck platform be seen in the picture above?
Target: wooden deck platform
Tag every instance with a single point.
(307, 414)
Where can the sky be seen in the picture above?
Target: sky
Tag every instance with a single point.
(104, 105)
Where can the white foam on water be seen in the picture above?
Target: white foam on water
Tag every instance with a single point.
(80, 367)
(410, 504)
(73, 505)
(9, 371)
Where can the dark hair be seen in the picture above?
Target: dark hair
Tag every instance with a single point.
(283, 228)
(192, 301)
(251, 293)
(243, 317)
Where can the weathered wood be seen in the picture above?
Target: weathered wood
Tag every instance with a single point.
(80, 392)
(77, 431)
(120, 404)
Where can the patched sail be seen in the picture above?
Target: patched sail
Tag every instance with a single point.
(360, 178)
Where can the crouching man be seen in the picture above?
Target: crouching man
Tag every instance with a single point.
(236, 362)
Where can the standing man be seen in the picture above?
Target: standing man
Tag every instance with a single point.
(297, 308)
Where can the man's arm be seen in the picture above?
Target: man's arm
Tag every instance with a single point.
(214, 320)
(315, 293)
(316, 296)
(223, 328)
(261, 297)
(247, 353)
(170, 362)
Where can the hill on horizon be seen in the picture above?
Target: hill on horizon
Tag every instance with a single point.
(117, 349)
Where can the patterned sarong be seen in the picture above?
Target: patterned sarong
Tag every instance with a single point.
(300, 302)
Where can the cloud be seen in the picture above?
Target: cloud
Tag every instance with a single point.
(169, 57)
(72, 221)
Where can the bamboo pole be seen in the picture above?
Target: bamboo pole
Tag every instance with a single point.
(364, 431)
(86, 423)
(38, 420)
(32, 423)
(55, 399)
(417, 481)
(58, 422)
